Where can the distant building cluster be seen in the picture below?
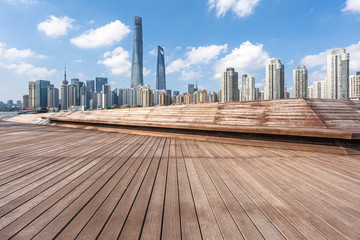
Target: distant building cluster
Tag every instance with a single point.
(97, 94)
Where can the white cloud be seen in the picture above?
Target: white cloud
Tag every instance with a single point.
(80, 75)
(311, 61)
(106, 35)
(55, 27)
(176, 65)
(291, 62)
(29, 70)
(196, 56)
(354, 51)
(248, 57)
(13, 53)
(91, 21)
(77, 60)
(27, 2)
(189, 75)
(146, 72)
(241, 8)
(153, 52)
(117, 61)
(319, 61)
(203, 55)
(352, 6)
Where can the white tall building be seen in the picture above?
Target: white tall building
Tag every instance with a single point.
(275, 80)
(53, 97)
(248, 88)
(323, 88)
(106, 96)
(354, 92)
(229, 86)
(316, 90)
(300, 82)
(337, 85)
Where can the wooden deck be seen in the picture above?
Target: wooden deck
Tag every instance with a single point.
(71, 183)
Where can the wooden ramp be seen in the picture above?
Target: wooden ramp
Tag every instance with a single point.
(77, 184)
(319, 118)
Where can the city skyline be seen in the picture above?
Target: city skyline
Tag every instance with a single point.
(200, 57)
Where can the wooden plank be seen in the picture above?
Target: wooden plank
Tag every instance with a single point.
(190, 228)
(98, 220)
(230, 230)
(171, 228)
(86, 175)
(241, 217)
(152, 228)
(117, 219)
(208, 223)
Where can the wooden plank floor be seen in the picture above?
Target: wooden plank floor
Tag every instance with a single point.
(81, 184)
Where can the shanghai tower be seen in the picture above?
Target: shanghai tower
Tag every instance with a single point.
(137, 61)
(160, 70)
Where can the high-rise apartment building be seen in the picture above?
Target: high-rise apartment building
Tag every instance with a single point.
(275, 80)
(25, 104)
(164, 99)
(248, 88)
(52, 97)
(41, 93)
(100, 81)
(213, 97)
(337, 85)
(32, 93)
(160, 70)
(106, 96)
(188, 98)
(354, 92)
(146, 96)
(137, 60)
(300, 82)
(229, 86)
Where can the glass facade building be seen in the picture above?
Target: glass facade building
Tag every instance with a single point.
(160, 70)
(41, 93)
(137, 61)
(99, 83)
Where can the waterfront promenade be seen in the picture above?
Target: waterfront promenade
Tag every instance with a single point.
(67, 183)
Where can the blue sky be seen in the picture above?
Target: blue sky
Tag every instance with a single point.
(201, 38)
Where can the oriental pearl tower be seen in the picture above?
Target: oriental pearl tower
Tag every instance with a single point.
(64, 93)
(65, 82)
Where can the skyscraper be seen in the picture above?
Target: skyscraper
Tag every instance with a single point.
(191, 89)
(248, 88)
(354, 91)
(300, 82)
(25, 101)
(137, 61)
(64, 97)
(160, 70)
(106, 96)
(337, 85)
(41, 93)
(229, 86)
(275, 80)
(32, 95)
(100, 81)
(76, 83)
(52, 97)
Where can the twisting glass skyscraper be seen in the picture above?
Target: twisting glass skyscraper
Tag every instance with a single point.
(160, 70)
(137, 61)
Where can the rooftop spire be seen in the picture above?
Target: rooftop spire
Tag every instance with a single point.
(65, 82)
